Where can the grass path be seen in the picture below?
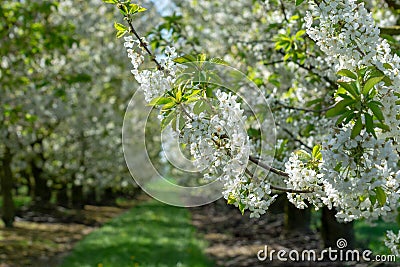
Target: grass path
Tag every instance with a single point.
(151, 234)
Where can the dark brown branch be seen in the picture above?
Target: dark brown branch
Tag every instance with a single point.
(289, 190)
(278, 188)
(143, 44)
(305, 109)
(390, 30)
(283, 11)
(296, 139)
(267, 167)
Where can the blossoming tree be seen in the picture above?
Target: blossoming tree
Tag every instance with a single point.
(329, 71)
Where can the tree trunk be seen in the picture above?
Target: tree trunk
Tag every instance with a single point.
(332, 230)
(8, 209)
(296, 220)
(42, 192)
(278, 206)
(62, 196)
(91, 196)
(109, 197)
(77, 196)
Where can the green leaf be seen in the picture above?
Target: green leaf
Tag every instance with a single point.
(194, 94)
(303, 155)
(349, 117)
(218, 60)
(380, 195)
(120, 27)
(242, 207)
(231, 199)
(316, 152)
(124, 9)
(300, 33)
(110, 1)
(357, 128)
(347, 73)
(185, 59)
(372, 198)
(382, 126)
(251, 132)
(299, 2)
(178, 95)
(169, 105)
(199, 107)
(369, 124)
(376, 110)
(121, 33)
(173, 123)
(387, 66)
(168, 119)
(160, 101)
(134, 8)
(339, 108)
(370, 84)
(350, 87)
(181, 122)
(345, 115)
(201, 57)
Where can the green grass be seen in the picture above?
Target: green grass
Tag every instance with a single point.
(372, 236)
(150, 234)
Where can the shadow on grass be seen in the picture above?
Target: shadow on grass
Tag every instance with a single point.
(150, 234)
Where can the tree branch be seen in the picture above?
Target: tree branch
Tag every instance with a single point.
(278, 188)
(390, 30)
(305, 109)
(267, 167)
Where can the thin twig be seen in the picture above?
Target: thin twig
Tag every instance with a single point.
(305, 109)
(296, 139)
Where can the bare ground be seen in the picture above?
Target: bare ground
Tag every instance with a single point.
(44, 238)
(234, 240)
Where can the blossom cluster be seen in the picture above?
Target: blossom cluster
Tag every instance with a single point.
(348, 35)
(302, 177)
(153, 83)
(393, 242)
(219, 143)
(356, 171)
